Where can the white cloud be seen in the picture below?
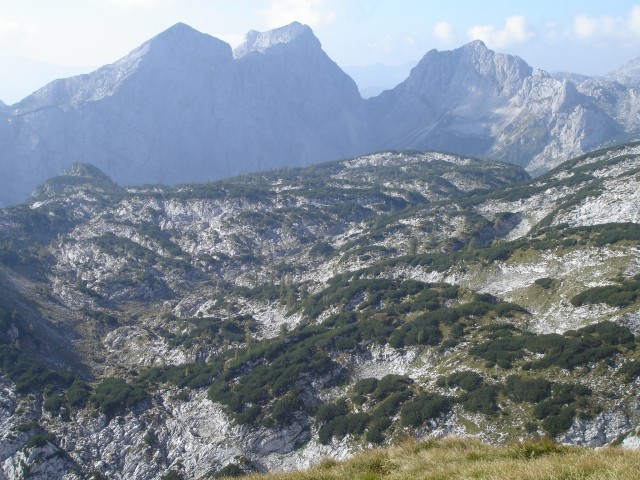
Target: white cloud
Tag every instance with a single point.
(515, 30)
(410, 41)
(585, 27)
(310, 12)
(634, 19)
(444, 32)
(128, 4)
(384, 44)
(9, 26)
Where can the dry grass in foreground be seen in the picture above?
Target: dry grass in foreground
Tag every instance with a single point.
(456, 458)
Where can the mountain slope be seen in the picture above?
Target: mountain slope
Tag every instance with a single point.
(268, 321)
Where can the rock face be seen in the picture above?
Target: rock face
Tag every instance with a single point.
(628, 74)
(474, 101)
(447, 100)
(179, 108)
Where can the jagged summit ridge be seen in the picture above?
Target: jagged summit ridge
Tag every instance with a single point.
(262, 41)
(468, 68)
(180, 47)
(180, 109)
(184, 107)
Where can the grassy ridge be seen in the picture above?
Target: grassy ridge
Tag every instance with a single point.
(455, 458)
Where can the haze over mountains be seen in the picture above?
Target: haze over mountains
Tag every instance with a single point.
(184, 107)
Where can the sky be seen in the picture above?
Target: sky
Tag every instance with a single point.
(590, 37)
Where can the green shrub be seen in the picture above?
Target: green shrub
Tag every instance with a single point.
(390, 384)
(527, 389)
(481, 400)
(613, 295)
(376, 429)
(230, 470)
(329, 411)
(39, 440)
(558, 411)
(466, 379)
(586, 345)
(285, 409)
(172, 475)
(630, 371)
(545, 282)
(54, 403)
(423, 407)
(114, 395)
(78, 393)
(560, 422)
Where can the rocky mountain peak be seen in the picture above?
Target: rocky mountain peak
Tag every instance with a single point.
(72, 183)
(262, 41)
(86, 170)
(175, 51)
(628, 74)
(476, 46)
(181, 39)
(470, 68)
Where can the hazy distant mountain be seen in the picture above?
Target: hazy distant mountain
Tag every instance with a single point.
(180, 108)
(576, 78)
(474, 101)
(372, 80)
(447, 99)
(628, 74)
(183, 107)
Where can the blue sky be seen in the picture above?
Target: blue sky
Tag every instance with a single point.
(587, 36)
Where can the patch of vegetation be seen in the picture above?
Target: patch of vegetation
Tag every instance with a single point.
(113, 396)
(191, 375)
(630, 371)
(465, 379)
(621, 295)
(172, 475)
(380, 399)
(424, 407)
(39, 440)
(54, 403)
(230, 471)
(522, 389)
(576, 347)
(268, 371)
(211, 331)
(558, 411)
(545, 282)
(29, 374)
(481, 400)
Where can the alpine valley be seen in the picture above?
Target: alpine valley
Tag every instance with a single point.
(271, 320)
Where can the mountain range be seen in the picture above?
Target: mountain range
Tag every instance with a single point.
(184, 107)
(272, 320)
